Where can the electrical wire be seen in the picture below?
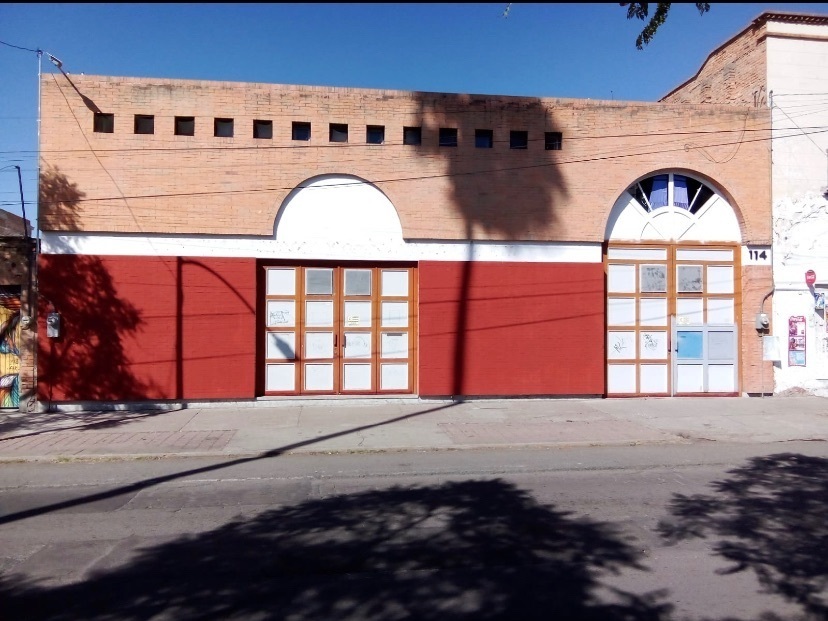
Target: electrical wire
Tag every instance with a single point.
(415, 178)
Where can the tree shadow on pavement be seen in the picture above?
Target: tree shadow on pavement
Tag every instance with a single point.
(770, 517)
(461, 550)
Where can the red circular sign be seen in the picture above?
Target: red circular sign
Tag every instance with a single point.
(810, 277)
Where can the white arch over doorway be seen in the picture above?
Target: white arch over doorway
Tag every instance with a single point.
(338, 208)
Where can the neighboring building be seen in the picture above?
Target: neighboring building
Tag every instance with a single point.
(17, 340)
(216, 240)
(781, 61)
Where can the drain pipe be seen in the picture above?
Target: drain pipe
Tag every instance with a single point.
(762, 363)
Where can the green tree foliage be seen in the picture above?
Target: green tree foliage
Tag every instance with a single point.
(641, 11)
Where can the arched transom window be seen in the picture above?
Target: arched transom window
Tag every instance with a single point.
(672, 207)
(670, 190)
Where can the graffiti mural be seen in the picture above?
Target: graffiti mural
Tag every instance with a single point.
(10, 334)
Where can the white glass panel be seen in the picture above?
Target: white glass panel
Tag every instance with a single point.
(621, 378)
(356, 377)
(620, 345)
(690, 378)
(620, 278)
(395, 282)
(653, 345)
(395, 314)
(721, 378)
(721, 345)
(653, 278)
(281, 313)
(652, 312)
(719, 310)
(281, 281)
(394, 376)
(621, 311)
(704, 255)
(357, 314)
(319, 314)
(357, 282)
(720, 279)
(318, 377)
(689, 279)
(281, 345)
(319, 281)
(281, 377)
(689, 311)
(638, 254)
(357, 345)
(318, 344)
(653, 378)
(394, 345)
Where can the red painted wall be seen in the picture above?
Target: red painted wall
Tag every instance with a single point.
(519, 329)
(147, 328)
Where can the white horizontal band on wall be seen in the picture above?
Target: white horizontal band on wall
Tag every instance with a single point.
(396, 250)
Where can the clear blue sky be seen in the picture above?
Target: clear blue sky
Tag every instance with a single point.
(551, 50)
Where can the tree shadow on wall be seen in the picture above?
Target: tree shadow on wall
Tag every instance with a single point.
(506, 191)
(479, 550)
(770, 517)
(88, 360)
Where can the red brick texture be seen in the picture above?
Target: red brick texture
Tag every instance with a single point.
(137, 328)
(734, 73)
(201, 184)
(511, 329)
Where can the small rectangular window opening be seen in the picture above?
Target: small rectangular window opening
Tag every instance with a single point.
(518, 139)
(144, 124)
(553, 141)
(412, 135)
(223, 128)
(448, 136)
(104, 123)
(185, 126)
(300, 131)
(263, 129)
(483, 138)
(338, 132)
(375, 134)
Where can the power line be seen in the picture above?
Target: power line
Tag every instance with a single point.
(25, 49)
(417, 178)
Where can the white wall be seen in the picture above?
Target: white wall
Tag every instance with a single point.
(798, 81)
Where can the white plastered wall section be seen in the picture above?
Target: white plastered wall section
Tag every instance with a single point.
(798, 81)
(328, 218)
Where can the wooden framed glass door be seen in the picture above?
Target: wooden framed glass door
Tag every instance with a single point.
(339, 329)
(658, 295)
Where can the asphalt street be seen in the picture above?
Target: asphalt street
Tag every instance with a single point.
(709, 531)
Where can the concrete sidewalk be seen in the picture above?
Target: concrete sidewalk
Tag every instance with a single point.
(407, 424)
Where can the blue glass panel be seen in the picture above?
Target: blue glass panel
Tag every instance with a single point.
(690, 344)
(680, 192)
(658, 195)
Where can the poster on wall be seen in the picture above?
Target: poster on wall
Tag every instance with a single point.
(796, 341)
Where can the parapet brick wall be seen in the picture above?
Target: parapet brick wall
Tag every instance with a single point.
(734, 73)
(201, 184)
(11, 225)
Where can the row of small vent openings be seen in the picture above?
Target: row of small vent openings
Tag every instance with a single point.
(337, 132)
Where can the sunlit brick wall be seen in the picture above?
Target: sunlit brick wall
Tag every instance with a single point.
(201, 184)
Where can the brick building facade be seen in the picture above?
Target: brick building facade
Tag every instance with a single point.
(780, 62)
(217, 240)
